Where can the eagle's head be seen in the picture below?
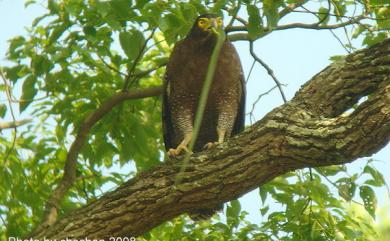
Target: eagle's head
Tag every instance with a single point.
(206, 25)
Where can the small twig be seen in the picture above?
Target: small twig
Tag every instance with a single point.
(308, 201)
(334, 184)
(327, 13)
(339, 40)
(9, 98)
(340, 16)
(137, 59)
(313, 26)
(14, 100)
(336, 15)
(258, 99)
(250, 71)
(3, 221)
(317, 27)
(323, 228)
(241, 20)
(146, 72)
(326, 177)
(291, 7)
(269, 70)
(345, 29)
(84, 189)
(13, 124)
(110, 67)
(234, 16)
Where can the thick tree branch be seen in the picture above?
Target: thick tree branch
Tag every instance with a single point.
(308, 131)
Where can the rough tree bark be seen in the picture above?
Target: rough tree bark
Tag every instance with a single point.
(311, 130)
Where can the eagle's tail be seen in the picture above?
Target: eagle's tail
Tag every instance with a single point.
(205, 213)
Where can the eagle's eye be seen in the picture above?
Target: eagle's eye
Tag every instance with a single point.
(203, 22)
(219, 21)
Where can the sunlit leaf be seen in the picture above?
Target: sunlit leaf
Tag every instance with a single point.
(323, 15)
(3, 110)
(255, 22)
(377, 177)
(369, 199)
(347, 190)
(263, 194)
(29, 91)
(131, 43)
(271, 12)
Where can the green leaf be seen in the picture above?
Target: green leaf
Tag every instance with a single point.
(377, 2)
(131, 43)
(270, 8)
(358, 30)
(263, 194)
(61, 155)
(16, 42)
(29, 2)
(234, 209)
(339, 9)
(103, 8)
(335, 169)
(369, 199)
(372, 39)
(140, 3)
(218, 5)
(189, 12)
(28, 92)
(16, 72)
(232, 213)
(53, 6)
(89, 30)
(323, 15)
(264, 210)
(40, 65)
(170, 25)
(337, 58)
(3, 110)
(121, 7)
(57, 32)
(378, 179)
(255, 22)
(347, 190)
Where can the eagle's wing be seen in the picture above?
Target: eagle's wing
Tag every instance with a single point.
(166, 117)
(240, 118)
(167, 125)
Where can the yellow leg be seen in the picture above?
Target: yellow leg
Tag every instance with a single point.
(181, 147)
(221, 135)
(221, 138)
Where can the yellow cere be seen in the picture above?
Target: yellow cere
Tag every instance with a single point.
(206, 23)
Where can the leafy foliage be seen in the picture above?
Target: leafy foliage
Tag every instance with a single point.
(79, 53)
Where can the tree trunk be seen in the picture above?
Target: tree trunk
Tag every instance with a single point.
(311, 130)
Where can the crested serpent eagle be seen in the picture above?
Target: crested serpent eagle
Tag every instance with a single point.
(224, 114)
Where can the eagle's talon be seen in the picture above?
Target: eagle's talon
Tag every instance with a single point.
(210, 145)
(177, 152)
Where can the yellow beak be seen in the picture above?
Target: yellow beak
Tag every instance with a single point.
(214, 26)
